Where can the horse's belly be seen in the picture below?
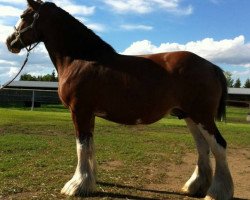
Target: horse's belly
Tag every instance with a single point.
(128, 121)
(131, 117)
(141, 106)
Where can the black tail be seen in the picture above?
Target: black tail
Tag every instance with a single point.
(221, 113)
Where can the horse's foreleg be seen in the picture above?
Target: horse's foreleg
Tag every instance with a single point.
(222, 187)
(201, 179)
(83, 181)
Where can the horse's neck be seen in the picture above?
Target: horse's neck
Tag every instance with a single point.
(67, 46)
(58, 59)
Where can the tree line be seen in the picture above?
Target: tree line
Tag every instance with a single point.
(48, 77)
(236, 83)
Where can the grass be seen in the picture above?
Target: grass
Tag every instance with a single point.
(37, 152)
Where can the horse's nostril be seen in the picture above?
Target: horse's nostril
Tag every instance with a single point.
(11, 42)
(8, 41)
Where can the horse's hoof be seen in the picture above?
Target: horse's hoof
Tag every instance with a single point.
(78, 187)
(193, 192)
(198, 184)
(219, 195)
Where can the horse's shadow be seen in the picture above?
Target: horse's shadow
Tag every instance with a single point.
(129, 196)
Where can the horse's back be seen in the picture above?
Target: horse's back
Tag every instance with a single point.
(178, 61)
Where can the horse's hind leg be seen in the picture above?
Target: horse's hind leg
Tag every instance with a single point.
(222, 185)
(201, 179)
(83, 181)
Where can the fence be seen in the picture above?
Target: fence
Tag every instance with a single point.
(28, 97)
(35, 97)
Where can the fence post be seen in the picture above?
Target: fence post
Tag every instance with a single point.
(33, 100)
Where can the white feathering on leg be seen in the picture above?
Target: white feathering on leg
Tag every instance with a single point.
(200, 180)
(83, 181)
(222, 187)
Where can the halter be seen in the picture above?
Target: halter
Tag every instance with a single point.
(18, 34)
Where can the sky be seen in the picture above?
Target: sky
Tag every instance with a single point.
(217, 30)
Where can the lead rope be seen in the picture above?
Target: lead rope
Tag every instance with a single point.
(24, 63)
(9, 82)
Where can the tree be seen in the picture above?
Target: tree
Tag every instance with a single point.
(27, 77)
(48, 77)
(237, 83)
(230, 81)
(247, 83)
(53, 76)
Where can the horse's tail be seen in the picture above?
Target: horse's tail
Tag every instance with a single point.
(221, 112)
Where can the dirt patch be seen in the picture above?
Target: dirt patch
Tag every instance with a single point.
(178, 174)
(239, 163)
(34, 196)
(2, 131)
(111, 165)
(173, 176)
(22, 196)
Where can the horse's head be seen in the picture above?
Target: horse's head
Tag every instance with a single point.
(27, 30)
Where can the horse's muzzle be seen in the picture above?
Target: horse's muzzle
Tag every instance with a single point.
(13, 44)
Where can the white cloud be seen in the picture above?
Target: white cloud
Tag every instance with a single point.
(182, 11)
(75, 9)
(229, 51)
(140, 47)
(96, 27)
(242, 73)
(9, 11)
(80, 10)
(4, 32)
(131, 27)
(123, 6)
(68, 5)
(147, 6)
(174, 6)
(6, 62)
(13, 71)
(16, 2)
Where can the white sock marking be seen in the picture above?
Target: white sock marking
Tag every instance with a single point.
(83, 181)
(222, 186)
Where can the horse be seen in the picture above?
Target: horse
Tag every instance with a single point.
(96, 81)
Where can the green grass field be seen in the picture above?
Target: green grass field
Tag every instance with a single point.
(37, 153)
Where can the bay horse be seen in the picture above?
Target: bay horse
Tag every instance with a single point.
(94, 80)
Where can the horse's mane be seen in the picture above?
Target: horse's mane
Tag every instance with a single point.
(81, 35)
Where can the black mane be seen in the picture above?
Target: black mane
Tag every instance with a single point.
(79, 35)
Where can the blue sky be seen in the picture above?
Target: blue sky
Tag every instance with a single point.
(217, 30)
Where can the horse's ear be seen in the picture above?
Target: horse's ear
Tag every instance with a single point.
(34, 4)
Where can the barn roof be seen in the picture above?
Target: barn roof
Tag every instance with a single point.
(34, 85)
(239, 91)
